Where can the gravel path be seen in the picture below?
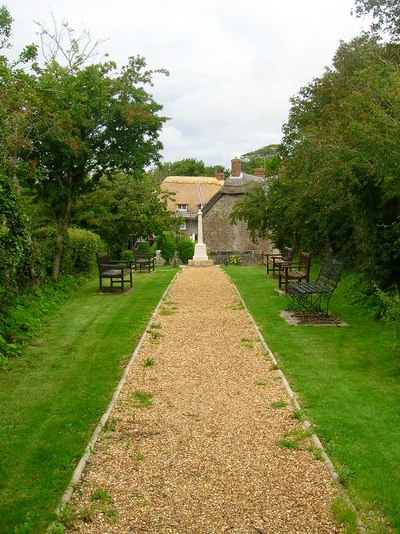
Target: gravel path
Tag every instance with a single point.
(203, 458)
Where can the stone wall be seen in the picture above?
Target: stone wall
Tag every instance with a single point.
(247, 257)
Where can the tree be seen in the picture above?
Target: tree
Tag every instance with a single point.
(339, 183)
(266, 157)
(92, 121)
(385, 13)
(252, 210)
(123, 207)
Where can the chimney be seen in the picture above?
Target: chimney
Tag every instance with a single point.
(236, 167)
(259, 172)
(220, 175)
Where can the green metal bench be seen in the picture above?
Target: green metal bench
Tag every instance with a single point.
(315, 296)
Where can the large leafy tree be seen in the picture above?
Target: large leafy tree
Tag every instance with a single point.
(339, 187)
(92, 120)
(385, 14)
(123, 207)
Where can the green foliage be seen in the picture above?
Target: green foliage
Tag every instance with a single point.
(234, 259)
(185, 167)
(385, 13)
(80, 251)
(14, 239)
(185, 248)
(390, 311)
(338, 189)
(252, 209)
(122, 208)
(126, 255)
(266, 157)
(145, 247)
(166, 243)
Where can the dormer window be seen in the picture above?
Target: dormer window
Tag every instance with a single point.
(182, 207)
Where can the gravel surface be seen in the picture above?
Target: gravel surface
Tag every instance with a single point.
(204, 457)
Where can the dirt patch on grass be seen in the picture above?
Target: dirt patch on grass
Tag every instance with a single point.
(203, 440)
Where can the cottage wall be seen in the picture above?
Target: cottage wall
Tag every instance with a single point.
(223, 238)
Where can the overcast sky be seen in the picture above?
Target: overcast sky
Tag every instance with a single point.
(233, 65)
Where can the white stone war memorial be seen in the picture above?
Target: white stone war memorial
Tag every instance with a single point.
(200, 258)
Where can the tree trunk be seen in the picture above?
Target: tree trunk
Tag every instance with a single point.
(62, 228)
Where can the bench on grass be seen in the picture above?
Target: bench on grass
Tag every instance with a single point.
(118, 272)
(315, 296)
(274, 261)
(144, 261)
(295, 271)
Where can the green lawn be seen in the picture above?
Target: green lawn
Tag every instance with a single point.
(348, 382)
(53, 396)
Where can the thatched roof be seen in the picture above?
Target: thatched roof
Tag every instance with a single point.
(190, 190)
(234, 185)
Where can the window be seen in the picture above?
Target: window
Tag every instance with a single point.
(182, 207)
(182, 225)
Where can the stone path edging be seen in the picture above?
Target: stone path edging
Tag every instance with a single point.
(307, 425)
(77, 474)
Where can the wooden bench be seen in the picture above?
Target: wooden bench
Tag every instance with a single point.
(118, 272)
(315, 296)
(144, 261)
(295, 271)
(274, 261)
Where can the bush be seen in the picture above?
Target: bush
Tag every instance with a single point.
(185, 248)
(80, 251)
(126, 255)
(145, 248)
(43, 251)
(166, 243)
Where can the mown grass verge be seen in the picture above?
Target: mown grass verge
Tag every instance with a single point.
(348, 382)
(53, 395)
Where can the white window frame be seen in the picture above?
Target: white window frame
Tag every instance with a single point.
(182, 225)
(182, 207)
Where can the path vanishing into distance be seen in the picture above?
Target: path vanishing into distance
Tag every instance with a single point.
(195, 441)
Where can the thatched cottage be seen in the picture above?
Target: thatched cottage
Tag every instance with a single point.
(216, 197)
(189, 194)
(224, 239)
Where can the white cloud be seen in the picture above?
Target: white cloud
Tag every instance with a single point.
(233, 66)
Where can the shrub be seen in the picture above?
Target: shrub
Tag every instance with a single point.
(43, 251)
(126, 255)
(166, 243)
(80, 251)
(234, 259)
(144, 247)
(185, 248)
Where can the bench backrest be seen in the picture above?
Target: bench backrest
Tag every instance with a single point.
(330, 273)
(287, 254)
(305, 262)
(102, 260)
(143, 255)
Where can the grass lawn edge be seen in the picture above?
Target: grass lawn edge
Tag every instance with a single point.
(307, 425)
(77, 474)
